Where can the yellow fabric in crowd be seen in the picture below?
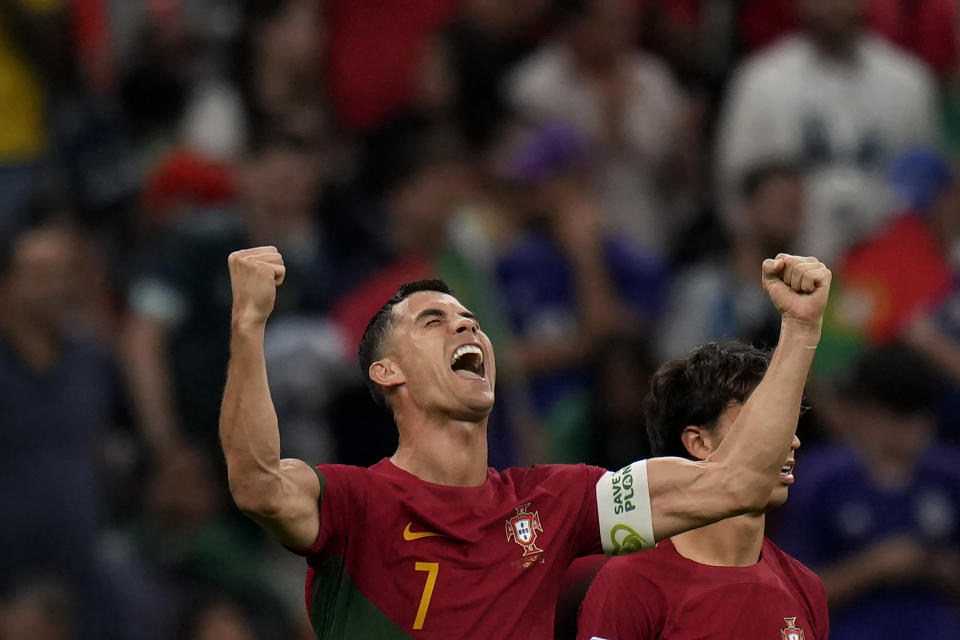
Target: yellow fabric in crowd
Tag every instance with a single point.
(23, 131)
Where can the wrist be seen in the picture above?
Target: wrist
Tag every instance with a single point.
(803, 333)
(802, 329)
(247, 325)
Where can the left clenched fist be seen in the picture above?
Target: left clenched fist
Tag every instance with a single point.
(798, 287)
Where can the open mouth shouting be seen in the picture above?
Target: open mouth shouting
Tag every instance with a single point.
(467, 362)
(786, 472)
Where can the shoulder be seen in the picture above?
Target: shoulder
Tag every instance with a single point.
(899, 65)
(345, 475)
(785, 561)
(769, 64)
(799, 575)
(559, 475)
(637, 576)
(538, 71)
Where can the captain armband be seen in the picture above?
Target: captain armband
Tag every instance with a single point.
(623, 505)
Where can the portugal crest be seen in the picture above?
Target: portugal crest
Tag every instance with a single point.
(522, 528)
(792, 632)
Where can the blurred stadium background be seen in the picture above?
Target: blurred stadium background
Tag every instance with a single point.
(597, 179)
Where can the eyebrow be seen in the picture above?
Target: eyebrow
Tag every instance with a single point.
(440, 313)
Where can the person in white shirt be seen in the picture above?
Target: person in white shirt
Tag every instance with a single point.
(842, 101)
(625, 103)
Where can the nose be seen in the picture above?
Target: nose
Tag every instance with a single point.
(795, 444)
(466, 324)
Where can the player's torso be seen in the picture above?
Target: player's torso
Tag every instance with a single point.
(481, 563)
(742, 611)
(747, 603)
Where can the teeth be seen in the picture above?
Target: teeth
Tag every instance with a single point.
(787, 468)
(465, 349)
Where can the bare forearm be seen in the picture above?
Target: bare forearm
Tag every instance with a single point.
(760, 438)
(249, 431)
(149, 379)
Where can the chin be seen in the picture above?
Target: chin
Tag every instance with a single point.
(777, 498)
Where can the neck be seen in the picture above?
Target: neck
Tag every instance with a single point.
(734, 542)
(443, 450)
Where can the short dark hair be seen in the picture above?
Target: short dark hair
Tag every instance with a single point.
(697, 388)
(760, 174)
(380, 325)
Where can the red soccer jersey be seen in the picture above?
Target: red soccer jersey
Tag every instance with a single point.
(659, 594)
(398, 557)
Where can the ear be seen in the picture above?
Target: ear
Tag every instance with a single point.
(696, 442)
(386, 373)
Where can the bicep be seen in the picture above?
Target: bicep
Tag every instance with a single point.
(295, 519)
(687, 495)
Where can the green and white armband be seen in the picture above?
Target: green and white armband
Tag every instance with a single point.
(623, 505)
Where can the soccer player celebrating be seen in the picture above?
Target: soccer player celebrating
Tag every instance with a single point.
(725, 580)
(431, 543)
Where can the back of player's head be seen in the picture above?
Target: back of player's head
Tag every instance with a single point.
(379, 328)
(697, 388)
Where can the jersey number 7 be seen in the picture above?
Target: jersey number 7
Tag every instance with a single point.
(432, 569)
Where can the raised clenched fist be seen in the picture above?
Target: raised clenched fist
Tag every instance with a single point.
(798, 287)
(255, 275)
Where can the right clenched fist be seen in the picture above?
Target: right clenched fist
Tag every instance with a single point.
(255, 275)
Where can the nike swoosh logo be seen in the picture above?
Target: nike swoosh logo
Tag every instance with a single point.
(416, 535)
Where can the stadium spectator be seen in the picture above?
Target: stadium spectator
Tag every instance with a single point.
(189, 545)
(725, 580)
(878, 514)
(625, 104)
(717, 299)
(900, 282)
(58, 394)
(567, 282)
(34, 63)
(40, 609)
(842, 102)
(484, 44)
(174, 346)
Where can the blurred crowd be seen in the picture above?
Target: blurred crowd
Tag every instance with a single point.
(598, 180)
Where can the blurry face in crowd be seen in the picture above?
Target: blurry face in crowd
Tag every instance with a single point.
(835, 21)
(180, 492)
(713, 438)
(37, 613)
(603, 32)
(887, 436)
(294, 39)
(40, 283)
(421, 206)
(776, 212)
(282, 182)
(222, 621)
(505, 17)
(438, 358)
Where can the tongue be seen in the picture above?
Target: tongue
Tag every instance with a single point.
(469, 375)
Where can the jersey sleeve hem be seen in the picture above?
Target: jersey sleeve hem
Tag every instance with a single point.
(320, 540)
